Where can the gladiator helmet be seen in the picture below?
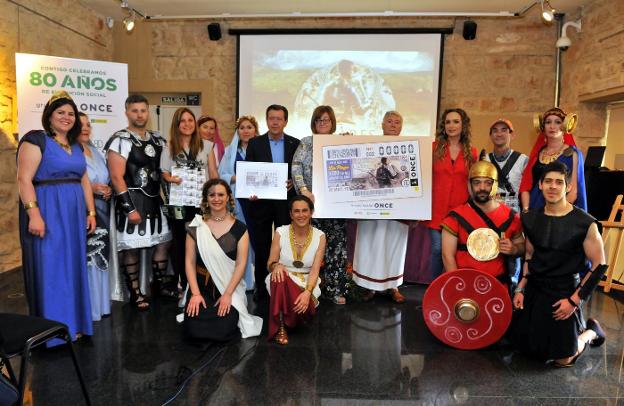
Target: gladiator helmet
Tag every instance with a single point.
(484, 169)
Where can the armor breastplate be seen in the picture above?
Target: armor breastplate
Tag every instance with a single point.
(143, 166)
(142, 178)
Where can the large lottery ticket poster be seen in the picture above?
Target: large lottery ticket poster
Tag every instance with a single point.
(372, 177)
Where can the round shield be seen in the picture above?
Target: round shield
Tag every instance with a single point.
(482, 244)
(467, 309)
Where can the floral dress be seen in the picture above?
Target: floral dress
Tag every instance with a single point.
(334, 277)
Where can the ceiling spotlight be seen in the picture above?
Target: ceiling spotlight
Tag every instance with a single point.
(548, 12)
(110, 22)
(124, 4)
(129, 22)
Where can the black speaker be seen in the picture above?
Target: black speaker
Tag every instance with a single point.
(214, 31)
(470, 30)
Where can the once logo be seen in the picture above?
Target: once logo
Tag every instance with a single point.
(382, 205)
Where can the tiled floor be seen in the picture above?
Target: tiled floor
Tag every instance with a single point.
(362, 353)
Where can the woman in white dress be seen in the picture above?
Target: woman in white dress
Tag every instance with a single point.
(294, 264)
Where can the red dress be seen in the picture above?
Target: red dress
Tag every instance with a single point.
(499, 216)
(450, 185)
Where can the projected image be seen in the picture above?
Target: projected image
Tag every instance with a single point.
(360, 84)
(358, 95)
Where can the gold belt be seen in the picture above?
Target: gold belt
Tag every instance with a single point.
(299, 275)
(204, 272)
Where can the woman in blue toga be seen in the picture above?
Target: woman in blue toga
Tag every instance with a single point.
(56, 213)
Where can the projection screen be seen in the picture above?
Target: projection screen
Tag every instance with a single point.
(360, 75)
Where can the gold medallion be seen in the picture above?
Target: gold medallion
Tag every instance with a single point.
(483, 244)
(294, 244)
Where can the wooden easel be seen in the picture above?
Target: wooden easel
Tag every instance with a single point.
(618, 227)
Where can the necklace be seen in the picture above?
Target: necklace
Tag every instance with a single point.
(66, 147)
(218, 219)
(298, 256)
(548, 157)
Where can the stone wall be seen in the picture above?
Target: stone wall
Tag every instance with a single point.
(508, 70)
(49, 27)
(593, 68)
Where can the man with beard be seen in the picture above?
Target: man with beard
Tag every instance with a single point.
(481, 215)
(133, 156)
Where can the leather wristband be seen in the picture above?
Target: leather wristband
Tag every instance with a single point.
(126, 202)
(571, 302)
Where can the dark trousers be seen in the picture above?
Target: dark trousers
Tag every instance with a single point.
(177, 252)
(264, 215)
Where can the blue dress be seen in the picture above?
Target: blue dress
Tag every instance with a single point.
(98, 243)
(227, 168)
(55, 266)
(537, 198)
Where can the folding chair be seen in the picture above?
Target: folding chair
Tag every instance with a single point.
(20, 334)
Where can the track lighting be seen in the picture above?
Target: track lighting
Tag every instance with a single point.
(548, 12)
(129, 22)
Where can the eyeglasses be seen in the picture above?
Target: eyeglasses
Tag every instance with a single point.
(322, 121)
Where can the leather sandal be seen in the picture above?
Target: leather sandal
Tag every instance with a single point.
(282, 336)
(368, 296)
(572, 362)
(132, 281)
(396, 296)
(339, 300)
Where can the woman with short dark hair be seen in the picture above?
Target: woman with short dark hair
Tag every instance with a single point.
(334, 273)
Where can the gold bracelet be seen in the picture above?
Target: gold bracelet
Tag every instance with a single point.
(92, 213)
(303, 189)
(309, 289)
(31, 205)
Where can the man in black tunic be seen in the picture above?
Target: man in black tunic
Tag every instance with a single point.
(560, 240)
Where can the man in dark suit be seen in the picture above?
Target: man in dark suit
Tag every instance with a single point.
(278, 147)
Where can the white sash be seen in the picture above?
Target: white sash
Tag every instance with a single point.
(221, 268)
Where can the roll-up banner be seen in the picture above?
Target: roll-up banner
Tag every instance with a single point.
(99, 89)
